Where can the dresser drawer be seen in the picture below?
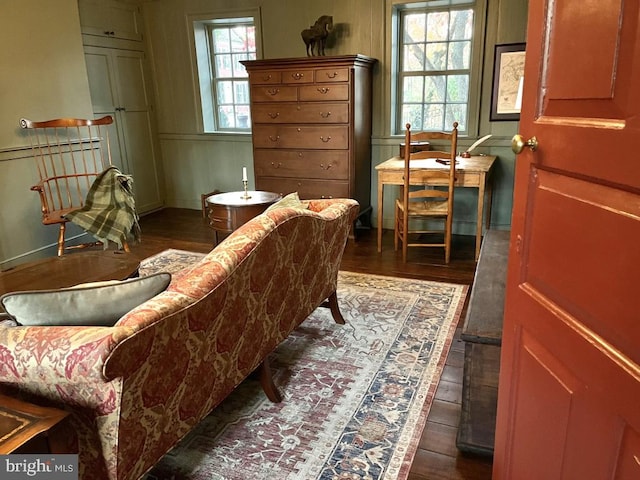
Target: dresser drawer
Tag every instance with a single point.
(300, 113)
(265, 77)
(297, 76)
(324, 137)
(324, 93)
(324, 164)
(324, 75)
(277, 93)
(306, 188)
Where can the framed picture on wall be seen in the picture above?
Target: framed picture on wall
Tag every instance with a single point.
(508, 80)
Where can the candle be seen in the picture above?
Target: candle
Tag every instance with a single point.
(244, 174)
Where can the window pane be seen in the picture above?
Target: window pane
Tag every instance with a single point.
(413, 60)
(412, 114)
(225, 92)
(238, 68)
(221, 43)
(433, 116)
(414, 28)
(461, 25)
(239, 39)
(225, 116)
(458, 88)
(412, 91)
(438, 26)
(223, 66)
(456, 112)
(241, 90)
(436, 56)
(459, 55)
(435, 87)
(243, 116)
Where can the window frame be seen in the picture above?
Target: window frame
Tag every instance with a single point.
(204, 69)
(476, 57)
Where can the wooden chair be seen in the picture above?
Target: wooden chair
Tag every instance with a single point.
(428, 202)
(69, 153)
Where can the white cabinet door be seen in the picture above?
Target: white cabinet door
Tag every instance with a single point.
(110, 19)
(118, 86)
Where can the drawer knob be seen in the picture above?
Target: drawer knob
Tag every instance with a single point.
(274, 139)
(327, 167)
(325, 140)
(325, 114)
(273, 91)
(323, 90)
(327, 196)
(297, 75)
(274, 115)
(300, 154)
(266, 77)
(276, 165)
(332, 74)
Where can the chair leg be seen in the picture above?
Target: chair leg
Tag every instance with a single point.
(396, 229)
(63, 227)
(125, 247)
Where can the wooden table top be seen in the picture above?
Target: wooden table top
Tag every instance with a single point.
(21, 421)
(236, 199)
(476, 163)
(69, 270)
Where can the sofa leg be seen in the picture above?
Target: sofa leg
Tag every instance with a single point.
(266, 381)
(332, 304)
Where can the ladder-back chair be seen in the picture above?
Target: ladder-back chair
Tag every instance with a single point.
(433, 199)
(69, 153)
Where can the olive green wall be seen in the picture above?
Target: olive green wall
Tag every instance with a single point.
(195, 163)
(43, 76)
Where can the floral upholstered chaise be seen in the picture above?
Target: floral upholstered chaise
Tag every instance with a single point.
(136, 388)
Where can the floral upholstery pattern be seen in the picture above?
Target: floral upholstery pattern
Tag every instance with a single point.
(135, 389)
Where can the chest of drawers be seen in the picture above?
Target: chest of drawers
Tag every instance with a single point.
(311, 126)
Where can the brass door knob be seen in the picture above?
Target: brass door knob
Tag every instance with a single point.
(518, 143)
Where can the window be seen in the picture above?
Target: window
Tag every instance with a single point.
(220, 44)
(434, 61)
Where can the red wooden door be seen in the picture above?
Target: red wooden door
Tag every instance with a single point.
(569, 394)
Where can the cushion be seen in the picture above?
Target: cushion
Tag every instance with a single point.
(290, 201)
(98, 305)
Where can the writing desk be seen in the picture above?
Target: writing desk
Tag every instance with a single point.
(473, 172)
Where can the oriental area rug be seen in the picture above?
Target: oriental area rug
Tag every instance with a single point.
(356, 396)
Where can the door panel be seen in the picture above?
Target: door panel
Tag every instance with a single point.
(118, 85)
(570, 365)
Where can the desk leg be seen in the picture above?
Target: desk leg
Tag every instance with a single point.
(480, 218)
(380, 203)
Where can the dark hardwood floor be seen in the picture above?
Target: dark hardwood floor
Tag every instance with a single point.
(437, 457)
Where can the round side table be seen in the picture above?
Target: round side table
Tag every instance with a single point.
(228, 211)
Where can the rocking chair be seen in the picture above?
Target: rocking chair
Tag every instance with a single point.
(70, 154)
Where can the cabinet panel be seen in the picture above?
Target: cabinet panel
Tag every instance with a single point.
(110, 19)
(118, 87)
(324, 93)
(332, 75)
(285, 136)
(327, 164)
(274, 94)
(302, 113)
(265, 77)
(297, 76)
(306, 188)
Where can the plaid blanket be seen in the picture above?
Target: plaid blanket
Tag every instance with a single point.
(109, 212)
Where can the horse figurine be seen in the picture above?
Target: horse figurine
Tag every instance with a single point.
(316, 35)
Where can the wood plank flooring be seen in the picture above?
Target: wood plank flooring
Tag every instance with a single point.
(437, 457)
